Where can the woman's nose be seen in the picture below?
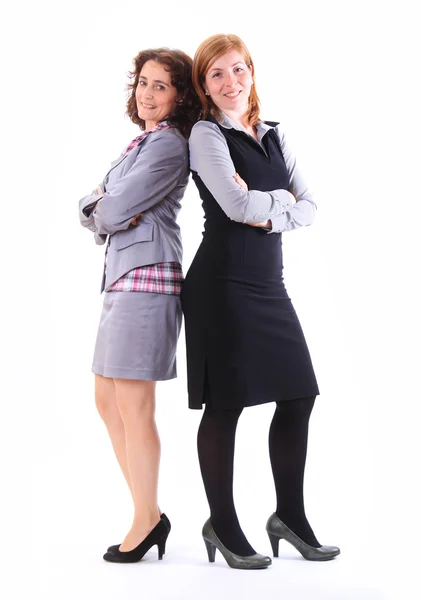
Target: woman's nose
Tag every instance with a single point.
(231, 79)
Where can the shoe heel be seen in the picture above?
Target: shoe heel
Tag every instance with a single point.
(274, 542)
(161, 547)
(211, 550)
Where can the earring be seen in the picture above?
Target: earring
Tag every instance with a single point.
(206, 93)
(179, 101)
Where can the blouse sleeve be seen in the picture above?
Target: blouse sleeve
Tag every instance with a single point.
(302, 211)
(210, 158)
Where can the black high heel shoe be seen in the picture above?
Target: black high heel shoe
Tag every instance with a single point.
(212, 542)
(277, 530)
(163, 517)
(158, 536)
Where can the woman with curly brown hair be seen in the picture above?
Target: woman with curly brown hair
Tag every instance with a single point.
(135, 211)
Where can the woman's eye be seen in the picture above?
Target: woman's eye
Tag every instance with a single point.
(238, 69)
(142, 83)
(160, 87)
(216, 75)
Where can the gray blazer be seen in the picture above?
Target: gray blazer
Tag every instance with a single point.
(150, 179)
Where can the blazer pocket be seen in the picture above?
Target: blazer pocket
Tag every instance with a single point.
(140, 233)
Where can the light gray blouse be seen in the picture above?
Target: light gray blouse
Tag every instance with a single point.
(210, 158)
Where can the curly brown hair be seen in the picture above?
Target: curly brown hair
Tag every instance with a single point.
(179, 64)
(207, 53)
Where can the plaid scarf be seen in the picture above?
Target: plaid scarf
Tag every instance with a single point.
(142, 136)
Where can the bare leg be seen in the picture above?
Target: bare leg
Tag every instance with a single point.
(136, 403)
(106, 402)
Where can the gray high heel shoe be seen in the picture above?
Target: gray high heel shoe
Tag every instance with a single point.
(212, 542)
(277, 530)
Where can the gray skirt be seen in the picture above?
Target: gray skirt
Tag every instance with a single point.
(137, 336)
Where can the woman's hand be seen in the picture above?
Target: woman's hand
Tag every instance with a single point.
(135, 220)
(266, 224)
(241, 182)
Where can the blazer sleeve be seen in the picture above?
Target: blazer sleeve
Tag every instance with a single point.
(210, 158)
(86, 208)
(151, 178)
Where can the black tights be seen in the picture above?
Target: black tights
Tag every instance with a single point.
(288, 448)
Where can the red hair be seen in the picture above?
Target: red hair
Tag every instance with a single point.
(207, 53)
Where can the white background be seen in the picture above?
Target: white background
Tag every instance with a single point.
(343, 79)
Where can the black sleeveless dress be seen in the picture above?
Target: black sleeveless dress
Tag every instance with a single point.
(244, 342)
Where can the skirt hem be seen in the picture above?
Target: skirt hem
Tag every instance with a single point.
(133, 374)
(200, 405)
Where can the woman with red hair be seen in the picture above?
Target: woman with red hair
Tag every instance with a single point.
(245, 345)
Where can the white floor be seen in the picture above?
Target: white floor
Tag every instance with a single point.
(81, 506)
(77, 571)
(80, 510)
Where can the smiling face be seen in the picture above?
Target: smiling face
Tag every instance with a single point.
(228, 82)
(155, 95)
